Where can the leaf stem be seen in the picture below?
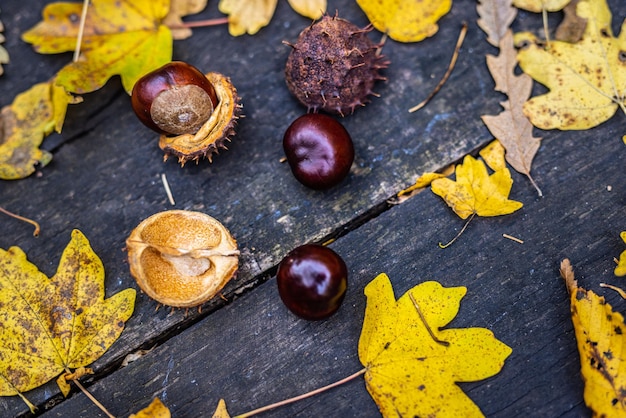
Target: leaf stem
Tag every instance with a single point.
(92, 398)
(200, 23)
(459, 234)
(21, 218)
(445, 77)
(303, 396)
(81, 30)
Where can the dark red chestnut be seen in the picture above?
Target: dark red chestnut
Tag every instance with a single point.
(312, 281)
(175, 99)
(319, 150)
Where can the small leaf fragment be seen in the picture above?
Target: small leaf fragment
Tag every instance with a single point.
(4, 55)
(538, 6)
(313, 9)
(601, 337)
(156, 409)
(220, 411)
(247, 17)
(406, 21)
(620, 269)
(409, 373)
(178, 9)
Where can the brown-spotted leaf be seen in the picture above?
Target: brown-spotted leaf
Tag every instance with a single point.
(587, 79)
(620, 269)
(33, 114)
(50, 326)
(121, 37)
(601, 337)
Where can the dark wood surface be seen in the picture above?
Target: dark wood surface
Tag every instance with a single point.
(105, 178)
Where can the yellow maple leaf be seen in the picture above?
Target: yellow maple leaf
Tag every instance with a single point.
(409, 372)
(50, 326)
(156, 409)
(475, 192)
(121, 37)
(587, 79)
(252, 15)
(601, 337)
(33, 114)
(221, 411)
(620, 270)
(405, 21)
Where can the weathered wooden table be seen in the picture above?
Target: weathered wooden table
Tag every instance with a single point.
(248, 348)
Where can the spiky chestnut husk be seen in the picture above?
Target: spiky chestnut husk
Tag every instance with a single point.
(333, 66)
(218, 129)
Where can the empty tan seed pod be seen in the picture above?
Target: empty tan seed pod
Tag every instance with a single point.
(181, 258)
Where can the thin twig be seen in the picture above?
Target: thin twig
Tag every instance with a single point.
(303, 396)
(81, 29)
(459, 234)
(512, 238)
(430, 331)
(21, 218)
(200, 23)
(168, 191)
(619, 290)
(455, 55)
(92, 398)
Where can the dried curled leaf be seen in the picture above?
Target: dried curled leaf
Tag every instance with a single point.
(587, 80)
(212, 135)
(120, 38)
(600, 337)
(53, 325)
(620, 270)
(413, 364)
(181, 258)
(511, 126)
(33, 114)
(406, 21)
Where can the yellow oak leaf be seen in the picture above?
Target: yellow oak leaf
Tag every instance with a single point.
(252, 15)
(33, 114)
(587, 79)
(540, 5)
(156, 409)
(406, 21)
(601, 337)
(475, 192)
(620, 270)
(50, 326)
(411, 372)
(121, 37)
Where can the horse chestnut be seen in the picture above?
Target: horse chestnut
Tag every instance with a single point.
(312, 281)
(319, 150)
(174, 99)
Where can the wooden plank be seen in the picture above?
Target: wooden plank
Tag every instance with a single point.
(105, 178)
(254, 352)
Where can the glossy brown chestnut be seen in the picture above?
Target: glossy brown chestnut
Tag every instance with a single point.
(175, 99)
(319, 150)
(312, 281)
